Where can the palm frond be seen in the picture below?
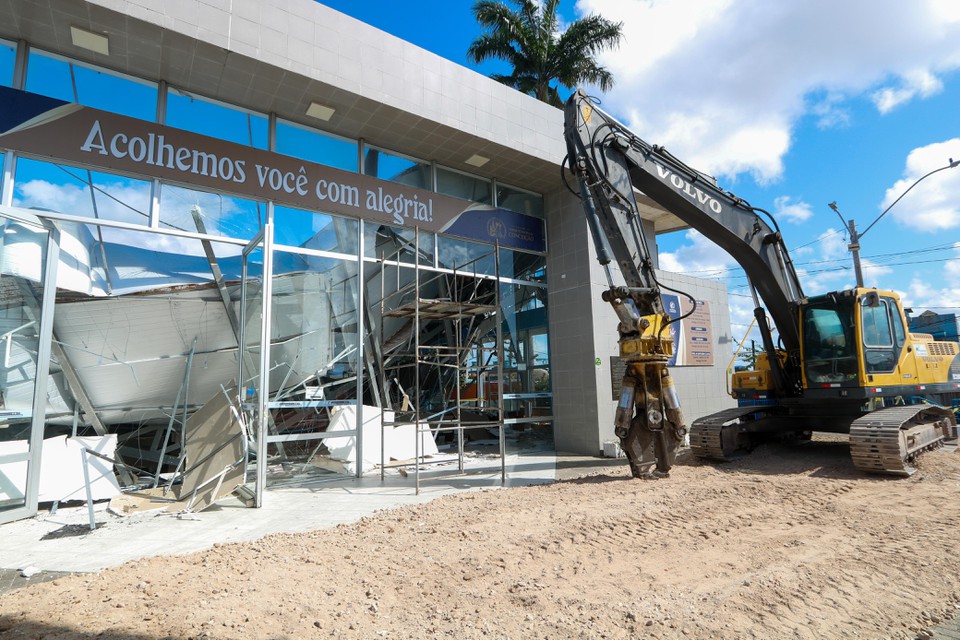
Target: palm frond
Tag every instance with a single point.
(526, 36)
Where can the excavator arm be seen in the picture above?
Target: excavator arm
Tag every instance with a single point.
(611, 164)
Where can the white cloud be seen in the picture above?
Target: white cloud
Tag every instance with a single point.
(918, 83)
(700, 257)
(722, 83)
(741, 317)
(934, 203)
(833, 244)
(785, 208)
(831, 269)
(129, 203)
(831, 111)
(952, 267)
(922, 295)
(873, 273)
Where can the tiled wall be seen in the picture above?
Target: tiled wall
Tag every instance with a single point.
(572, 350)
(315, 41)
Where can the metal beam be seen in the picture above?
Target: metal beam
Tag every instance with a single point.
(217, 273)
(77, 389)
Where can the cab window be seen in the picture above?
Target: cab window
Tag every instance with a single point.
(876, 325)
(829, 349)
(879, 351)
(898, 330)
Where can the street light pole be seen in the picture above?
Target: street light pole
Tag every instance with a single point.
(854, 245)
(851, 228)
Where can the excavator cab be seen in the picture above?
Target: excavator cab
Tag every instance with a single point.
(849, 340)
(884, 335)
(858, 339)
(828, 342)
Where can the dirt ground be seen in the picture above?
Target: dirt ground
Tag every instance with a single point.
(785, 543)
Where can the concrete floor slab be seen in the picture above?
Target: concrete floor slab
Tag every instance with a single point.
(63, 542)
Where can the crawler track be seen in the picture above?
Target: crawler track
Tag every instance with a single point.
(715, 436)
(883, 441)
(887, 440)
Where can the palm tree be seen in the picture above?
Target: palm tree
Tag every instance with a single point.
(528, 38)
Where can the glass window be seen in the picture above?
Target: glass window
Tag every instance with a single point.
(81, 192)
(317, 231)
(309, 144)
(523, 266)
(397, 243)
(141, 260)
(829, 350)
(520, 201)
(876, 325)
(879, 354)
(8, 56)
(461, 185)
(314, 354)
(387, 166)
(90, 86)
(131, 351)
(526, 358)
(22, 253)
(898, 329)
(216, 119)
(209, 212)
(464, 255)
(315, 325)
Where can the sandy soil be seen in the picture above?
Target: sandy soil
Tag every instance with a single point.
(781, 544)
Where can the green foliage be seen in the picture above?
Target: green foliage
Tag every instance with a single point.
(528, 39)
(747, 358)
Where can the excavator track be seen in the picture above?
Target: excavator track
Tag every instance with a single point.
(888, 440)
(715, 436)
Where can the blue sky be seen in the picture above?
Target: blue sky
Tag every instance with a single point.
(792, 105)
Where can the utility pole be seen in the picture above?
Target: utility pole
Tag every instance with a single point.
(851, 228)
(854, 245)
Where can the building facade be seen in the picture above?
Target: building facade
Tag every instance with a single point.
(942, 326)
(199, 193)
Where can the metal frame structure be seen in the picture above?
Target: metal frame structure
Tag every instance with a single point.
(45, 340)
(408, 302)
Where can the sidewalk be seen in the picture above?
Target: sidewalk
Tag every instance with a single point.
(63, 542)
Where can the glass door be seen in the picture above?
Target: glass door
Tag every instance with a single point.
(29, 253)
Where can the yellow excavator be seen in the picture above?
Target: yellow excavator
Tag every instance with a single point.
(844, 362)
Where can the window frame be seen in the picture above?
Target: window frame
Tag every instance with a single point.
(310, 129)
(490, 181)
(181, 93)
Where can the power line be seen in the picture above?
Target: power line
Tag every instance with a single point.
(832, 232)
(739, 276)
(878, 259)
(950, 165)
